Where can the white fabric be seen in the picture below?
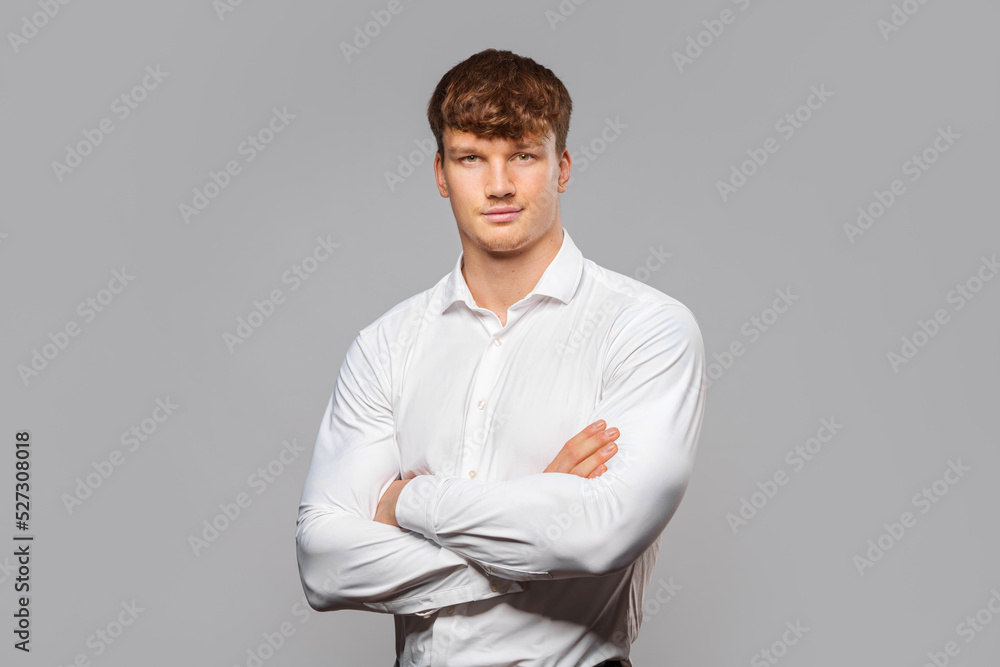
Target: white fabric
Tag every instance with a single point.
(497, 563)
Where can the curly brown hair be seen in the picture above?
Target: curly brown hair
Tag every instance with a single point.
(503, 95)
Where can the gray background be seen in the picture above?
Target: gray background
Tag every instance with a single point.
(653, 187)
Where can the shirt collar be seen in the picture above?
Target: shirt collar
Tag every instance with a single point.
(559, 279)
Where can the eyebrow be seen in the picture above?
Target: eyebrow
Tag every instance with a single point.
(455, 150)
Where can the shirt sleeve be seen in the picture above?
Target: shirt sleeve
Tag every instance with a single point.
(558, 525)
(346, 559)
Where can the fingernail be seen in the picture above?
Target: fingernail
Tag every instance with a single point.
(610, 447)
(611, 432)
(599, 424)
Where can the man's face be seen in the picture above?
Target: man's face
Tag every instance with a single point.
(504, 192)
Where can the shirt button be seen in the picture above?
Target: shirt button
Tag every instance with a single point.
(497, 341)
(449, 611)
(472, 474)
(481, 404)
(495, 587)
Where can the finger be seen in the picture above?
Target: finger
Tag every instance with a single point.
(596, 460)
(576, 448)
(586, 432)
(593, 443)
(600, 471)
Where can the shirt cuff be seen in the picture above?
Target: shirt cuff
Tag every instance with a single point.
(417, 504)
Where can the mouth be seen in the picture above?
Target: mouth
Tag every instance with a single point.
(502, 214)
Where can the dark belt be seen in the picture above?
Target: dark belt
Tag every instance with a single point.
(606, 663)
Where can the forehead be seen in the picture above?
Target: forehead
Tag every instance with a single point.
(456, 141)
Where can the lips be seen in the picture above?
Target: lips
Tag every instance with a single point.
(502, 214)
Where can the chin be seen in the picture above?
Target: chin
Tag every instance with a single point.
(497, 239)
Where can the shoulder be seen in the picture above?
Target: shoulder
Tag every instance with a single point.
(638, 305)
(400, 323)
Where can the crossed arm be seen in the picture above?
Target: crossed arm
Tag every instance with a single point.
(347, 560)
(583, 455)
(458, 532)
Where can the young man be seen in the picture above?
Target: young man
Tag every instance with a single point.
(443, 488)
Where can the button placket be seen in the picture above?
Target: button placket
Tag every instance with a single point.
(476, 434)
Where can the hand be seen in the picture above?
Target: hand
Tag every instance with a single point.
(584, 454)
(386, 510)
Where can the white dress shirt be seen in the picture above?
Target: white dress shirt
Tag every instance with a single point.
(496, 563)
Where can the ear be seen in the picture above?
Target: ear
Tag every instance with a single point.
(442, 184)
(565, 162)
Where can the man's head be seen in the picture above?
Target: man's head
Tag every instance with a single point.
(500, 94)
(500, 121)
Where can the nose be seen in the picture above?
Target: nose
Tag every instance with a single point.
(499, 184)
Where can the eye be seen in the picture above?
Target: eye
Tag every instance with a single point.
(468, 157)
(527, 156)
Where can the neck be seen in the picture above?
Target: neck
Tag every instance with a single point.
(499, 281)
